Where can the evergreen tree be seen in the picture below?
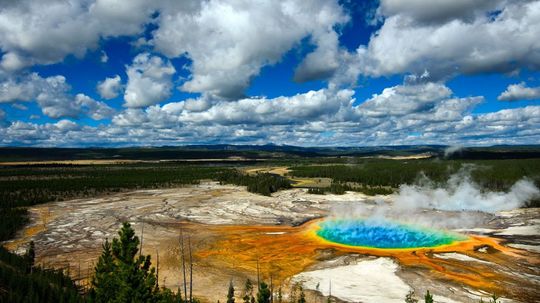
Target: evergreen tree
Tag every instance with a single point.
(104, 283)
(428, 298)
(230, 294)
(263, 296)
(120, 276)
(137, 280)
(248, 292)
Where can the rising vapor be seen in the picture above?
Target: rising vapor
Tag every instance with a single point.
(461, 193)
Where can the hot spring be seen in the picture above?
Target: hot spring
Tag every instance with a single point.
(383, 234)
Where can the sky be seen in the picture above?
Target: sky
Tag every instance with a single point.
(77, 73)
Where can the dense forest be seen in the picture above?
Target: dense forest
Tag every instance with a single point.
(498, 175)
(22, 281)
(264, 183)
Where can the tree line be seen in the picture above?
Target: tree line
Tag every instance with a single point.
(261, 183)
(379, 176)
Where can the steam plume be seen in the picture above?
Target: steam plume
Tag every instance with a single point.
(451, 150)
(462, 194)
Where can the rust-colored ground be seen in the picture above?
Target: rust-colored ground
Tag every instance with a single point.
(283, 252)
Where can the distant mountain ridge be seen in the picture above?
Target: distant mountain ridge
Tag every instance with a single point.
(268, 151)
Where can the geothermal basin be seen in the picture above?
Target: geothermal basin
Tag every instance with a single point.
(296, 237)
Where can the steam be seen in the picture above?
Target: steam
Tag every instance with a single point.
(459, 203)
(463, 194)
(451, 150)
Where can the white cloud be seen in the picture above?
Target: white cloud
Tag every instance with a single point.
(438, 11)
(229, 41)
(12, 62)
(321, 63)
(405, 99)
(94, 109)
(519, 91)
(44, 32)
(479, 43)
(110, 88)
(149, 81)
(403, 114)
(104, 58)
(12, 90)
(52, 95)
(66, 125)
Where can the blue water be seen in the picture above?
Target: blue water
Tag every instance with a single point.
(383, 234)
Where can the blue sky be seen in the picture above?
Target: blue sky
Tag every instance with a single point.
(317, 73)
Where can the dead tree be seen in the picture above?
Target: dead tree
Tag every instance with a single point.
(258, 277)
(190, 271)
(271, 289)
(183, 263)
(142, 235)
(157, 269)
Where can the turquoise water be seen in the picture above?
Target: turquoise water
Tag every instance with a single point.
(383, 234)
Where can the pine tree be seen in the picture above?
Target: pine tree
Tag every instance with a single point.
(248, 292)
(230, 294)
(428, 298)
(120, 276)
(263, 296)
(104, 283)
(137, 279)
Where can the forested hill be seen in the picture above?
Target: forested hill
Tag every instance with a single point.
(253, 152)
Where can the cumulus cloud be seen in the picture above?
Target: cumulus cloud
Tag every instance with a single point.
(519, 91)
(94, 109)
(457, 43)
(405, 99)
(44, 32)
(149, 81)
(227, 43)
(438, 11)
(240, 37)
(104, 58)
(52, 95)
(416, 113)
(321, 63)
(110, 88)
